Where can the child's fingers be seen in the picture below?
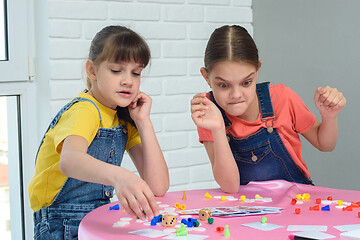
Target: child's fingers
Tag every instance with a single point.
(124, 203)
(143, 201)
(199, 98)
(133, 203)
(152, 201)
(197, 115)
(199, 107)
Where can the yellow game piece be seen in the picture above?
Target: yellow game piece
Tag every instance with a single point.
(177, 205)
(183, 207)
(243, 198)
(184, 196)
(223, 198)
(298, 196)
(306, 196)
(257, 196)
(207, 195)
(340, 202)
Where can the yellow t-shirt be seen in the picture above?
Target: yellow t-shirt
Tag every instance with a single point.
(81, 119)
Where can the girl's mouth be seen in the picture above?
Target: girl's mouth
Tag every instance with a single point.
(125, 94)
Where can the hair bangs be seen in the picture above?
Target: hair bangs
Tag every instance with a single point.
(122, 48)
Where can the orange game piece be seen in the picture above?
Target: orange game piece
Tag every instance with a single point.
(219, 229)
(297, 210)
(354, 205)
(315, 208)
(318, 200)
(348, 208)
(184, 196)
(359, 214)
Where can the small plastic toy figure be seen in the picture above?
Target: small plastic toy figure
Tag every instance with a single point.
(204, 214)
(182, 231)
(168, 220)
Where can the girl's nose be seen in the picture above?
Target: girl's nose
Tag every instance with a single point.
(236, 93)
(126, 80)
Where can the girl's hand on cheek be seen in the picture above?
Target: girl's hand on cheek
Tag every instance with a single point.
(135, 196)
(205, 114)
(140, 107)
(329, 101)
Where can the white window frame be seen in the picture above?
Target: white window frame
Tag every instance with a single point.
(14, 80)
(16, 68)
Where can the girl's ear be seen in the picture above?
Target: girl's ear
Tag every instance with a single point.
(205, 75)
(90, 70)
(260, 63)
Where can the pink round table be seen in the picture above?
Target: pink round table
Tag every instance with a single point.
(98, 224)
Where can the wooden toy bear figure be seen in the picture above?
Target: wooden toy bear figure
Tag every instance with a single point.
(168, 220)
(204, 214)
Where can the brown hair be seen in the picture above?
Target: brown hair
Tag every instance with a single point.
(116, 44)
(231, 43)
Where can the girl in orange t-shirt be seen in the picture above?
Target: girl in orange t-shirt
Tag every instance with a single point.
(251, 131)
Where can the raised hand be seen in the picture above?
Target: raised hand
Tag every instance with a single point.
(140, 107)
(205, 114)
(329, 101)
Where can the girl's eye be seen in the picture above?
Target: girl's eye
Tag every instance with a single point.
(136, 74)
(247, 83)
(223, 85)
(115, 71)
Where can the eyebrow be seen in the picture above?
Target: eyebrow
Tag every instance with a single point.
(248, 76)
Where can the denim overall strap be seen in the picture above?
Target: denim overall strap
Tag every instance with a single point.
(266, 108)
(59, 114)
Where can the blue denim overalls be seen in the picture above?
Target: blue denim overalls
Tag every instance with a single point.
(76, 198)
(263, 156)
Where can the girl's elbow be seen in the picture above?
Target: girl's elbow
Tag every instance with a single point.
(230, 190)
(160, 191)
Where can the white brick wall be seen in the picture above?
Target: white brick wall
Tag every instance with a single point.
(177, 32)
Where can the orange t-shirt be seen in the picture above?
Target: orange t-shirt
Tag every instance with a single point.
(292, 118)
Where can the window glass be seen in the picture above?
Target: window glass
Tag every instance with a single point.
(5, 231)
(3, 40)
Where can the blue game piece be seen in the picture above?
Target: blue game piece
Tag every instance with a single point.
(184, 221)
(115, 207)
(153, 222)
(326, 208)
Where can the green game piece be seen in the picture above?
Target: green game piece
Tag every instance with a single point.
(263, 220)
(226, 231)
(181, 231)
(210, 220)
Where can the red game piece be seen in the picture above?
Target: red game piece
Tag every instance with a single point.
(329, 198)
(348, 208)
(293, 201)
(318, 200)
(315, 208)
(354, 205)
(297, 210)
(219, 229)
(359, 214)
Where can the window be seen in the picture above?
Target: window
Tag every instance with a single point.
(13, 45)
(3, 38)
(17, 121)
(11, 184)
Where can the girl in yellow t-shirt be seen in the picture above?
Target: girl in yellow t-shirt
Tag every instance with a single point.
(78, 162)
(251, 131)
